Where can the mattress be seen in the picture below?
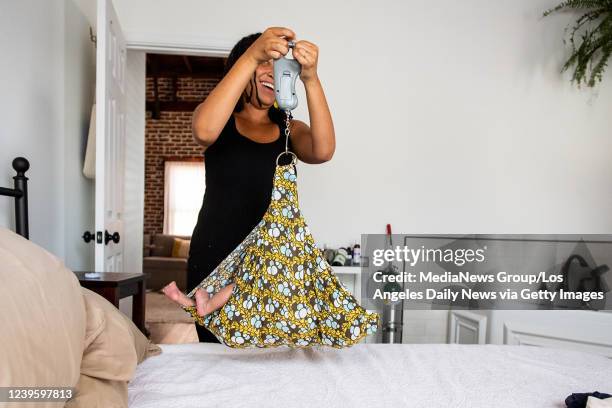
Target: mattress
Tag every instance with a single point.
(366, 375)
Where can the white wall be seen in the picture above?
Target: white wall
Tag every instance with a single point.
(451, 117)
(31, 113)
(79, 85)
(47, 79)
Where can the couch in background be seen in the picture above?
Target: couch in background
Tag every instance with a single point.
(159, 263)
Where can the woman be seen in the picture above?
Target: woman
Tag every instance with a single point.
(242, 133)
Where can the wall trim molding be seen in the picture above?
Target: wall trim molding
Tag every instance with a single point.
(177, 44)
(530, 336)
(463, 320)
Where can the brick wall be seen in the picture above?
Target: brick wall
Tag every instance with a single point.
(188, 89)
(169, 137)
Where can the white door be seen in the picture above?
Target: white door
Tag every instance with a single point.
(110, 139)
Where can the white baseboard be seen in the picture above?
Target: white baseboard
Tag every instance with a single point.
(532, 336)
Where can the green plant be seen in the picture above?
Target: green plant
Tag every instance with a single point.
(590, 56)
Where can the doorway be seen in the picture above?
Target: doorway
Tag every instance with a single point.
(163, 91)
(173, 164)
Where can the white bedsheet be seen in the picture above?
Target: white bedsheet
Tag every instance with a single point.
(366, 375)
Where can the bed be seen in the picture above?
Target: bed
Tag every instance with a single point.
(366, 375)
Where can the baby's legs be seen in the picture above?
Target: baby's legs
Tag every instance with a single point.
(203, 303)
(206, 305)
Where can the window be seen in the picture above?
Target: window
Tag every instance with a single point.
(183, 194)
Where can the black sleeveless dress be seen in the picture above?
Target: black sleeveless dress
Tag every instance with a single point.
(239, 174)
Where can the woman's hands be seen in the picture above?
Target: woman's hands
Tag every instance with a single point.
(271, 44)
(307, 54)
(274, 43)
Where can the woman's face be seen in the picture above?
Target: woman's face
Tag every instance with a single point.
(260, 90)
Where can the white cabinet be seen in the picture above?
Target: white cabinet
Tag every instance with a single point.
(350, 277)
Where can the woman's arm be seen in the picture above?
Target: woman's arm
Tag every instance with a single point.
(210, 116)
(317, 143)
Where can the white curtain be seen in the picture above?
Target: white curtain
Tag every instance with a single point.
(183, 194)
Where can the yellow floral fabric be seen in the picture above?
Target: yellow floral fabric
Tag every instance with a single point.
(285, 292)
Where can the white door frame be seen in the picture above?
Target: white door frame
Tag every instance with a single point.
(181, 45)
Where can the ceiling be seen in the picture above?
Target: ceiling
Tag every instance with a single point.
(178, 66)
(168, 65)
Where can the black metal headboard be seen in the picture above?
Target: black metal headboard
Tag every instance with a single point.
(20, 192)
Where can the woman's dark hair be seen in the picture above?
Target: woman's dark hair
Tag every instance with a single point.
(275, 114)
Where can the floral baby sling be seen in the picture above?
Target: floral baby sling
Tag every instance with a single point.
(285, 292)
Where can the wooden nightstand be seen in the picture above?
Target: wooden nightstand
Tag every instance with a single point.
(114, 286)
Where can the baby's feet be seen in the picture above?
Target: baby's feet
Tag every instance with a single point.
(202, 299)
(174, 293)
